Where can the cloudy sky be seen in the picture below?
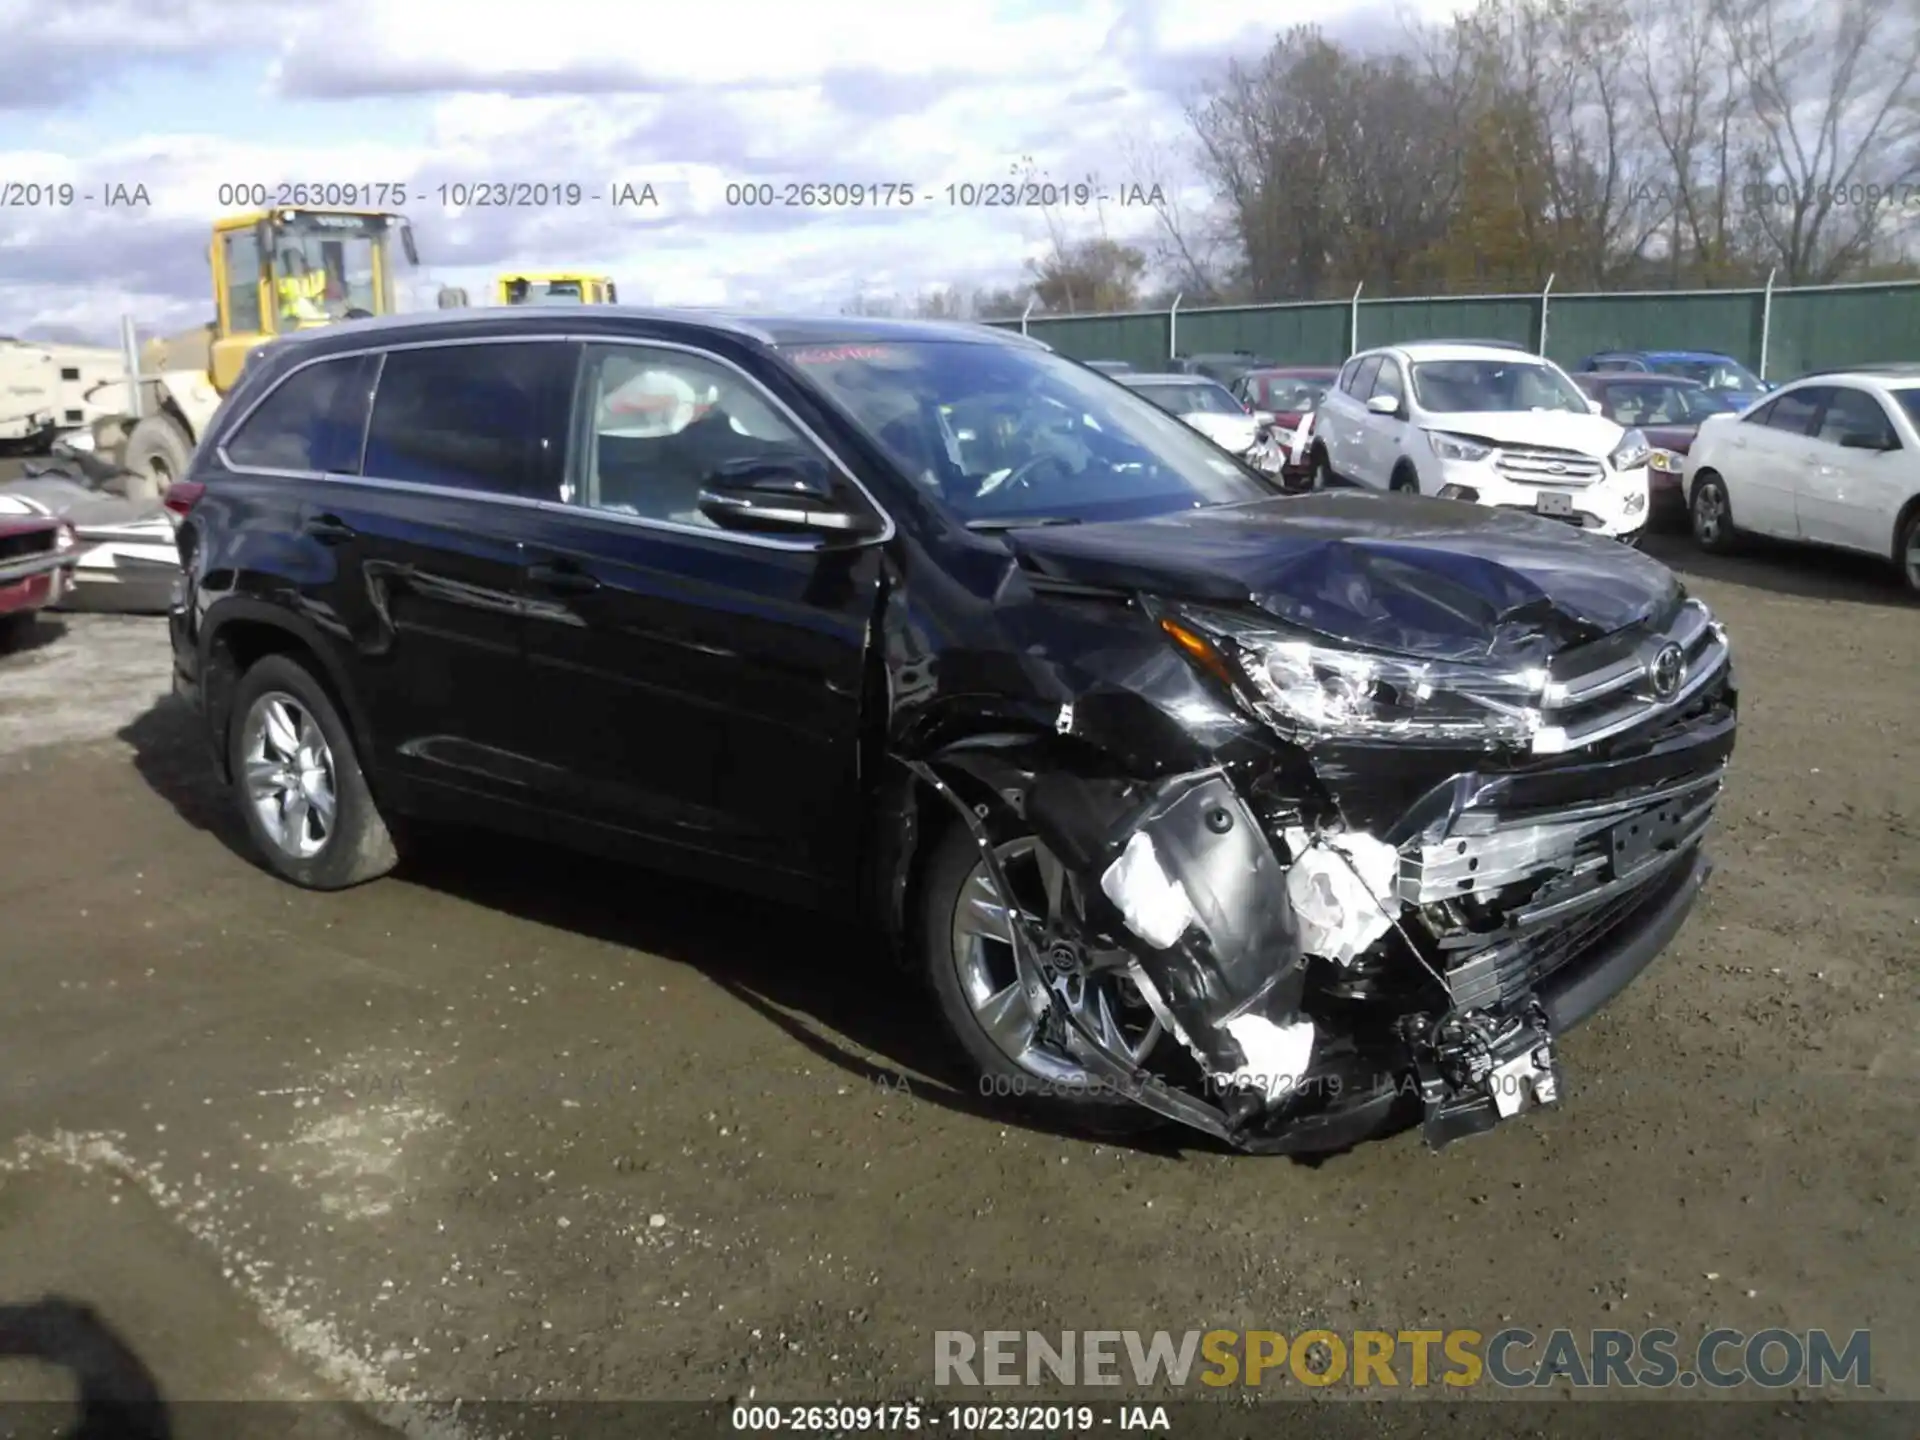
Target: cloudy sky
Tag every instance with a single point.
(178, 97)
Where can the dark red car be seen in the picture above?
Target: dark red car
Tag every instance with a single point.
(1288, 393)
(1667, 409)
(36, 569)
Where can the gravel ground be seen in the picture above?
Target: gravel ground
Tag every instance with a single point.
(517, 1125)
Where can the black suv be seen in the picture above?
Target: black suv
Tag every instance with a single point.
(1296, 820)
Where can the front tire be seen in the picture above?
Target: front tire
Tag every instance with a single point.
(1906, 551)
(967, 963)
(1712, 515)
(298, 783)
(1406, 481)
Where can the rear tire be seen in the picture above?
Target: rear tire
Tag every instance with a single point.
(1711, 514)
(16, 629)
(298, 783)
(157, 453)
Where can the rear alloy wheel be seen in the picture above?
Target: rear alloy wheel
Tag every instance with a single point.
(298, 783)
(1712, 514)
(1016, 1048)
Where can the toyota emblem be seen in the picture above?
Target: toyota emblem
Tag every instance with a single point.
(1669, 669)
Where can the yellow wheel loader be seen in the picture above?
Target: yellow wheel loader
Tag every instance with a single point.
(274, 272)
(555, 289)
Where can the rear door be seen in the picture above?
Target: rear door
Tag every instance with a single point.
(702, 686)
(463, 441)
(1851, 494)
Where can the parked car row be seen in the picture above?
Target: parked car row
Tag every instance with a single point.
(1828, 459)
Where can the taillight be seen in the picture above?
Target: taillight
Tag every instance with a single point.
(181, 495)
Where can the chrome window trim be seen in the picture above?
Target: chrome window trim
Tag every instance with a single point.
(561, 507)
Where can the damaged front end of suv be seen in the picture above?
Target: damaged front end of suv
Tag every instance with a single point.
(1332, 827)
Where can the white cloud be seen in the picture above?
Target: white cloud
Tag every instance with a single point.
(598, 93)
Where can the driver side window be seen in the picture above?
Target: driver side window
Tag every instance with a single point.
(651, 427)
(1388, 381)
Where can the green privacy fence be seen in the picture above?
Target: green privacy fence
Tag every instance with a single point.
(1779, 332)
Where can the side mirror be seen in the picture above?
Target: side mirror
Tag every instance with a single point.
(786, 495)
(406, 243)
(1384, 405)
(1594, 407)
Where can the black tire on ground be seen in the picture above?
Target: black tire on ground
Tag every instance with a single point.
(360, 847)
(1906, 551)
(1710, 513)
(1323, 476)
(1406, 481)
(157, 452)
(945, 868)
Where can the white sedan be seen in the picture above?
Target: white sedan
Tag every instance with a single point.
(1831, 459)
(1206, 405)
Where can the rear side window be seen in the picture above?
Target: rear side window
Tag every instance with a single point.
(310, 423)
(473, 417)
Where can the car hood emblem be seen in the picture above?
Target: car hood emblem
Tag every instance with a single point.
(1668, 670)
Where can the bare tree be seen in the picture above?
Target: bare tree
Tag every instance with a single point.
(1834, 90)
(1195, 245)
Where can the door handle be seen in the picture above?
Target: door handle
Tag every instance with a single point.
(563, 577)
(329, 529)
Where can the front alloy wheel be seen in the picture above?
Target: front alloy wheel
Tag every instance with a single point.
(1098, 992)
(289, 775)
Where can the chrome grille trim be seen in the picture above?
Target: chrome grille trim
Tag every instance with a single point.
(1535, 465)
(1704, 648)
(1477, 864)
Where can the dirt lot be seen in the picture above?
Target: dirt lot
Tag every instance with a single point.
(514, 1125)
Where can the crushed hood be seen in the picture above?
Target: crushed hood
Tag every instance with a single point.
(1418, 576)
(1593, 435)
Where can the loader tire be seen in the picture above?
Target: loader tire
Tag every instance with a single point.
(157, 453)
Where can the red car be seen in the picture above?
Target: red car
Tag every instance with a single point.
(37, 556)
(1667, 409)
(1287, 393)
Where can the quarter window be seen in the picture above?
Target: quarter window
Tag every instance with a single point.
(310, 423)
(653, 426)
(472, 417)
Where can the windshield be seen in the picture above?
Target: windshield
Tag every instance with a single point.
(1191, 399)
(1650, 402)
(1910, 402)
(1296, 396)
(1451, 387)
(323, 268)
(1714, 374)
(1007, 435)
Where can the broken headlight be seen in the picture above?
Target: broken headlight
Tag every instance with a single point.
(1312, 688)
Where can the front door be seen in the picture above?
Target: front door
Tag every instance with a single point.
(1851, 493)
(703, 687)
(1387, 434)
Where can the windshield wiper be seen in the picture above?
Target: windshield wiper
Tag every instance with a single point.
(1018, 522)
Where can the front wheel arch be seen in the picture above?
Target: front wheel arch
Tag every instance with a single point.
(237, 633)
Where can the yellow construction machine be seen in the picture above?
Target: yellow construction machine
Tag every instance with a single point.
(560, 288)
(274, 272)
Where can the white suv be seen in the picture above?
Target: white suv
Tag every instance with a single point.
(1485, 423)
